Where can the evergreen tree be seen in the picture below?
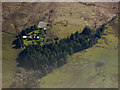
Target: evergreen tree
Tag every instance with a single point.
(86, 31)
(70, 50)
(35, 27)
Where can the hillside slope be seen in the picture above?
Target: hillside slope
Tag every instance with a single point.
(95, 67)
(18, 16)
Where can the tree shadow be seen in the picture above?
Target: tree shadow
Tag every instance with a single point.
(16, 44)
(20, 59)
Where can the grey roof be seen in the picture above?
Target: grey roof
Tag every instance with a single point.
(42, 24)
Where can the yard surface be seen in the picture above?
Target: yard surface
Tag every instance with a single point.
(81, 70)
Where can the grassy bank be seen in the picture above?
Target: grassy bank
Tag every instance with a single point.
(81, 70)
(9, 56)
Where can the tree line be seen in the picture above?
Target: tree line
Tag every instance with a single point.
(51, 56)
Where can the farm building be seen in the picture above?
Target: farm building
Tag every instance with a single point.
(30, 36)
(44, 28)
(38, 37)
(24, 36)
(42, 24)
(56, 38)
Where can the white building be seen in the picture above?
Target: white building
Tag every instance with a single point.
(30, 36)
(44, 28)
(34, 36)
(24, 36)
(38, 37)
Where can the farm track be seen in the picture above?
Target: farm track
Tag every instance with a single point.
(9, 33)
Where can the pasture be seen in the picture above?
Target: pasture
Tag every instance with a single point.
(9, 56)
(82, 69)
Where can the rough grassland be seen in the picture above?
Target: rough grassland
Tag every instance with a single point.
(9, 56)
(20, 15)
(80, 14)
(81, 72)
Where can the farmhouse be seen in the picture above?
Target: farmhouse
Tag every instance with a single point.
(37, 34)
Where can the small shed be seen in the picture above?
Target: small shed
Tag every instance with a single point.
(42, 24)
(30, 36)
(45, 29)
(38, 37)
(56, 38)
(34, 37)
(24, 36)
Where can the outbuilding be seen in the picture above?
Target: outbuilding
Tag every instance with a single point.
(42, 24)
(30, 36)
(24, 37)
(45, 29)
(38, 37)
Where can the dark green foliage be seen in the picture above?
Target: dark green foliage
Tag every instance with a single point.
(35, 27)
(19, 41)
(38, 57)
(100, 31)
(86, 31)
(50, 56)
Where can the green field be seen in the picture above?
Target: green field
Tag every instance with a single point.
(28, 42)
(9, 56)
(32, 41)
(81, 72)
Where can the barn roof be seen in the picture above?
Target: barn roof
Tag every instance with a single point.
(42, 24)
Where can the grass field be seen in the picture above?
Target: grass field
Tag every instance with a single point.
(9, 56)
(81, 70)
(63, 31)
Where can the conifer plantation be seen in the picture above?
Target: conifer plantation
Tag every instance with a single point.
(47, 57)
